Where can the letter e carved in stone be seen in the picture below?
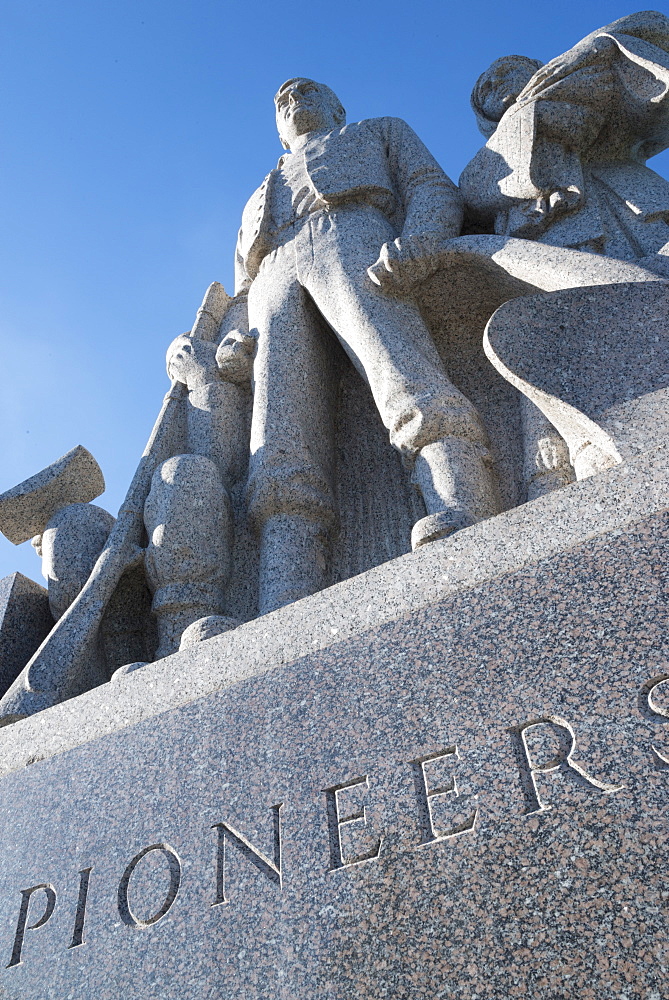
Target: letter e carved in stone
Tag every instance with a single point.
(336, 821)
(429, 833)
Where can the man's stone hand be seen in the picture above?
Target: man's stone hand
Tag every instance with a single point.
(235, 356)
(552, 453)
(192, 361)
(406, 262)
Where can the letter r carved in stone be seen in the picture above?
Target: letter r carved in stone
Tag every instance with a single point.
(652, 690)
(561, 762)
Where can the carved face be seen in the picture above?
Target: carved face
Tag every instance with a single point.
(498, 88)
(304, 106)
(501, 89)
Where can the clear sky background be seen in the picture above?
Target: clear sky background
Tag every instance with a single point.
(133, 132)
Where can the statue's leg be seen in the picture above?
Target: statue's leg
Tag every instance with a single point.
(546, 464)
(436, 429)
(189, 521)
(290, 492)
(70, 545)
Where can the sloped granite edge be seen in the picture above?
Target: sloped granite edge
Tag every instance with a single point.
(502, 545)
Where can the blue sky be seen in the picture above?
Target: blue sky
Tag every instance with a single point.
(133, 132)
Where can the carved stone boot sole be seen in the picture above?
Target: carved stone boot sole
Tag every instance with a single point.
(439, 525)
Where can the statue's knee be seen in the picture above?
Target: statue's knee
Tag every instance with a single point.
(184, 489)
(188, 519)
(186, 472)
(423, 421)
(296, 492)
(70, 545)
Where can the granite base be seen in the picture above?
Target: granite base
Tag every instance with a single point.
(468, 800)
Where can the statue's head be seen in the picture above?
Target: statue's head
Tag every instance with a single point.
(304, 106)
(499, 87)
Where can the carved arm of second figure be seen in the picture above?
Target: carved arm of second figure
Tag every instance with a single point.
(188, 514)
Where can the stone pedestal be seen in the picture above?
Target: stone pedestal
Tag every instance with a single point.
(446, 777)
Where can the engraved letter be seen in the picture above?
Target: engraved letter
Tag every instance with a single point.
(78, 934)
(336, 821)
(271, 869)
(23, 924)
(656, 710)
(175, 881)
(562, 762)
(429, 834)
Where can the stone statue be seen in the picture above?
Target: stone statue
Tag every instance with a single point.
(188, 514)
(355, 296)
(564, 163)
(173, 532)
(339, 199)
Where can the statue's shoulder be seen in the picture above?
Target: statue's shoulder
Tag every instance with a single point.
(382, 129)
(379, 124)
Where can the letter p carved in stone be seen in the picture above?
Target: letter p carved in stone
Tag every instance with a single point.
(22, 925)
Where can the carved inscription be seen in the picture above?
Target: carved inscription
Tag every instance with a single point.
(228, 834)
(80, 915)
(174, 865)
(429, 834)
(443, 814)
(336, 821)
(561, 762)
(22, 926)
(653, 688)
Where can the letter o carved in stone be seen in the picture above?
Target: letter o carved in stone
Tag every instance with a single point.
(175, 881)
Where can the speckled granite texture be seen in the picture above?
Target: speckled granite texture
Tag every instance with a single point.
(560, 902)
(25, 621)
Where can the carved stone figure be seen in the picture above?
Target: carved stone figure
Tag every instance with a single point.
(565, 158)
(188, 514)
(564, 164)
(361, 313)
(338, 199)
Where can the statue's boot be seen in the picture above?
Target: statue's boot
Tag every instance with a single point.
(454, 477)
(293, 560)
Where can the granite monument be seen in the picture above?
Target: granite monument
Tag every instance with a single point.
(365, 691)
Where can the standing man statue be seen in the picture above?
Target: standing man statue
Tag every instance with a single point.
(340, 199)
